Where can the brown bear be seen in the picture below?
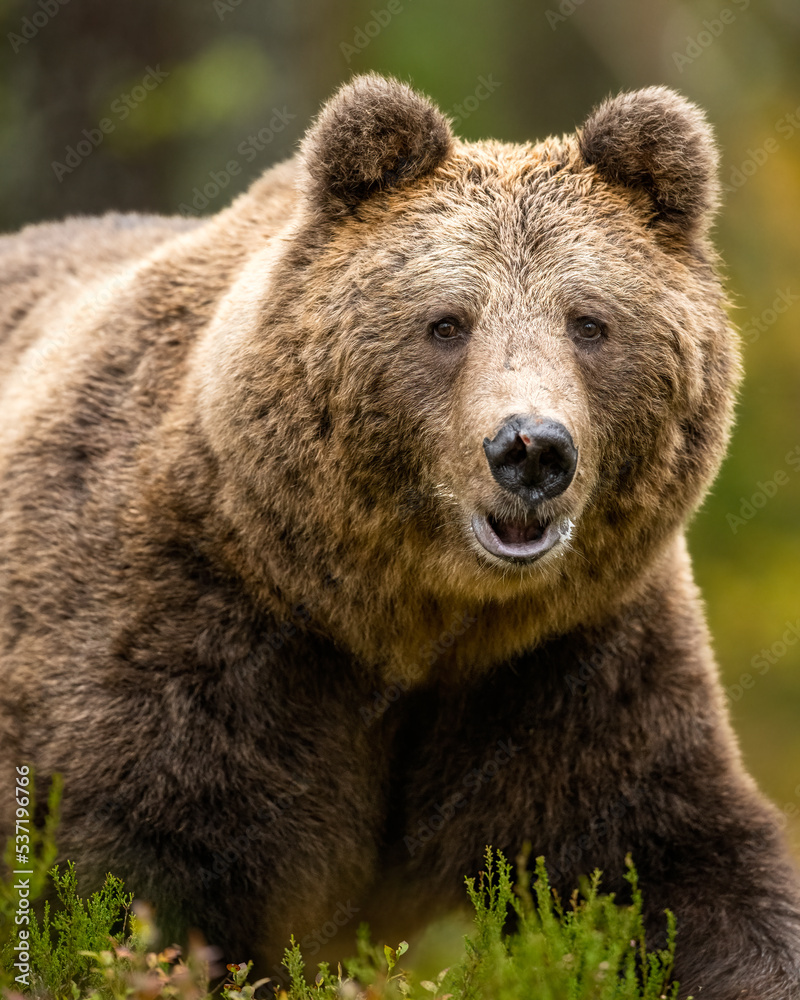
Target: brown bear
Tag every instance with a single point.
(342, 534)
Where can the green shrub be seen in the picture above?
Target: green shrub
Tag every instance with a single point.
(64, 946)
(95, 949)
(593, 950)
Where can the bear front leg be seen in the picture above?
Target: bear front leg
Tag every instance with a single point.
(600, 745)
(716, 858)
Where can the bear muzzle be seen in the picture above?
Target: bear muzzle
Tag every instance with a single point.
(534, 458)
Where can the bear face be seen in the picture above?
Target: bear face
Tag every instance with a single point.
(431, 303)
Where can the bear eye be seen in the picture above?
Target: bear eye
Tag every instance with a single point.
(446, 329)
(588, 329)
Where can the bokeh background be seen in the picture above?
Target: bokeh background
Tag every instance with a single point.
(176, 105)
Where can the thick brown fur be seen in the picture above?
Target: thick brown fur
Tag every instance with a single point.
(242, 607)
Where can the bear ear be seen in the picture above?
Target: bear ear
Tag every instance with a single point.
(373, 134)
(657, 140)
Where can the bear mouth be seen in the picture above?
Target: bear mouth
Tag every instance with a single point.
(520, 540)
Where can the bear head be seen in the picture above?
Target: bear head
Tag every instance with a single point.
(482, 379)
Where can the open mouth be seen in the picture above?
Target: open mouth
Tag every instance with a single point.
(517, 540)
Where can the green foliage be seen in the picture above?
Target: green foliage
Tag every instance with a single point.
(232, 63)
(370, 961)
(593, 949)
(60, 946)
(372, 965)
(64, 947)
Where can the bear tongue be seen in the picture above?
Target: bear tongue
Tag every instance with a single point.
(517, 532)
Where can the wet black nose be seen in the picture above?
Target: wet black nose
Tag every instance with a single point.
(532, 457)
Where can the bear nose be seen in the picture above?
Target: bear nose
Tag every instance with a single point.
(532, 456)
